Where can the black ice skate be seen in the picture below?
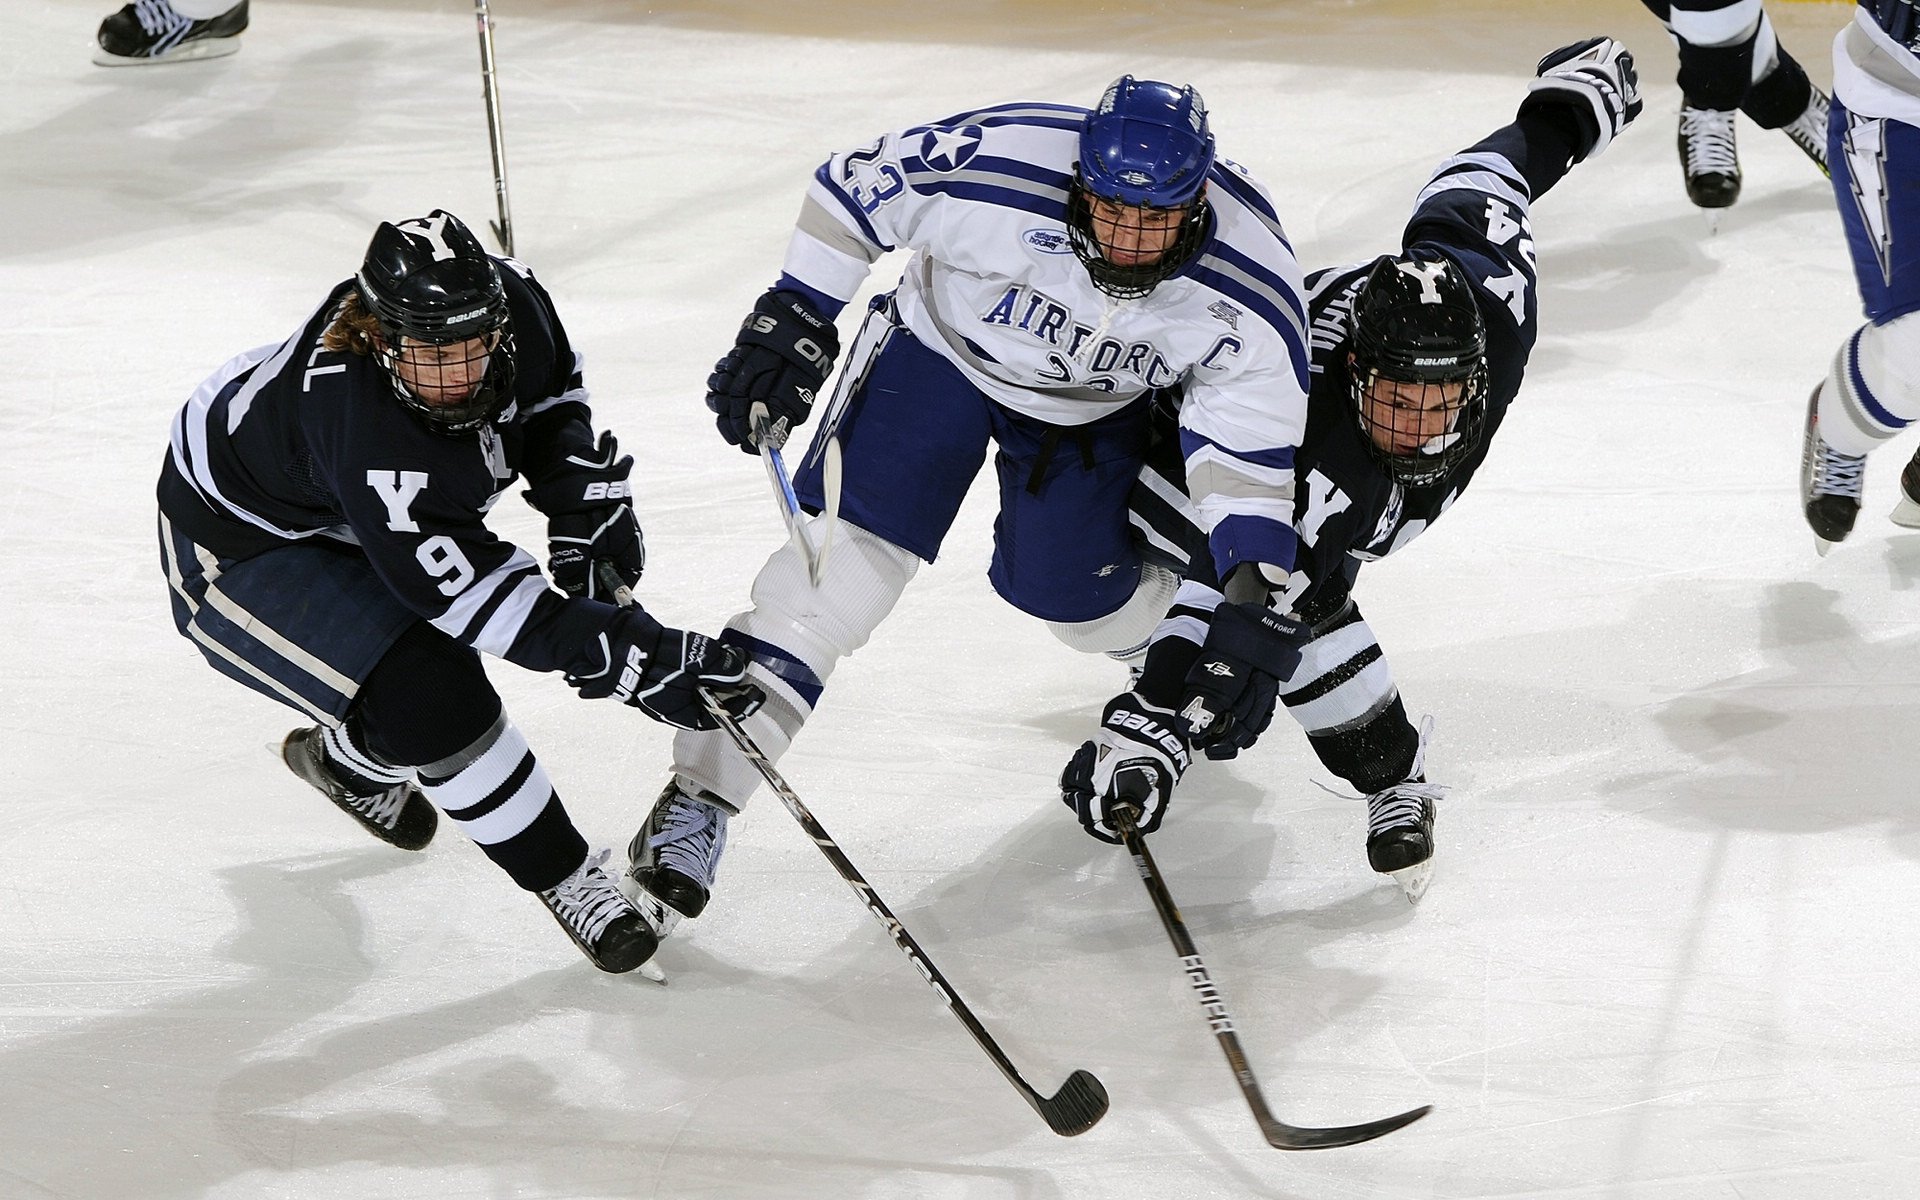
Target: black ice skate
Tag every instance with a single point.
(608, 929)
(1708, 157)
(1830, 483)
(1809, 130)
(147, 32)
(1907, 512)
(676, 855)
(1400, 834)
(399, 816)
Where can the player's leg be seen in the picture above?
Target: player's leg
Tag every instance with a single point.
(1063, 547)
(1715, 39)
(405, 715)
(1782, 97)
(913, 434)
(147, 32)
(1872, 390)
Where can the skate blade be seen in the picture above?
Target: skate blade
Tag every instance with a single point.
(195, 51)
(1822, 545)
(649, 971)
(1413, 880)
(1905, 514)
(1712, 217)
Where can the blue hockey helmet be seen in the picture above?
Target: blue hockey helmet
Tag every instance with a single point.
(429, 283)
(1145, 147)
(1146, 144)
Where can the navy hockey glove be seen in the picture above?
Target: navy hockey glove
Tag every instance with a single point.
(662, 671)
(1136, 758)
(593, 538)
(1231, 689)
(1597, 80)
(777, 366)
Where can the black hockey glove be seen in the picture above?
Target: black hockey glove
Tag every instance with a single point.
(777, 366)
(1597, 80)
(1136, 758)
(661, 672)
(1231, 689)
(592, 534)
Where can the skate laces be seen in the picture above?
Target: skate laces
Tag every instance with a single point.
(1709, 137)
(157, 16)
(1834, 473)
(382, 808)
(1402, 804)
(1809, 129)
(690, 837)
(587, 900)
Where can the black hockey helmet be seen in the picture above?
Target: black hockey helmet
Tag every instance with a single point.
(1416, 322)
(429, 284)
(1146, 145)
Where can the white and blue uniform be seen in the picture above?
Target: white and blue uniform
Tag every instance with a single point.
(1873, 147)
(996, 336)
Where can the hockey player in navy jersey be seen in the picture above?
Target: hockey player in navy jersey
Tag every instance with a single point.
(1063, 264)
(1416, 357)
(1872, 391)
(322, 528)
(1731, 61)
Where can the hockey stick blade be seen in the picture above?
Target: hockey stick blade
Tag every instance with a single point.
(1279, 1134)
(1075, 1108)
(1081, 1100)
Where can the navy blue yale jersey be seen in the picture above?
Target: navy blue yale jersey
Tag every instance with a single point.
(1347, 509)
(291, 442)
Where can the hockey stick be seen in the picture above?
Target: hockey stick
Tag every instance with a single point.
(1081, 1100)
(496, 131)
(814, 556)
(1280, 1135)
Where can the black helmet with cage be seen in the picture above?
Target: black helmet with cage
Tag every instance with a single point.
(430, 285)
(1416, 323)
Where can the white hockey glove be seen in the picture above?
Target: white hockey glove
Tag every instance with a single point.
(1597, 79)
(1136, 758)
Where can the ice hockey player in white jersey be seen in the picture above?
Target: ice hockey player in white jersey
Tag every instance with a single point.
(1416, 357)
(1063, 263)
(322, 527)
(1872, 391)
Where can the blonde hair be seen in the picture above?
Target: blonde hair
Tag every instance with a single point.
(354, 329)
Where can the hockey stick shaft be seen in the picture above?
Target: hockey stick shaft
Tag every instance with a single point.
(496, 129)
(815, 556)
(1279, 1135)
(1081, 1100)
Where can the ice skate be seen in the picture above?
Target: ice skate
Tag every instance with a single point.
(399, 816)
(608, 929)
(1907, 512)
(148, 32)
(1809, 130)
(676, 855)
(1400, 834)
(1710, 160)
(1830, 484)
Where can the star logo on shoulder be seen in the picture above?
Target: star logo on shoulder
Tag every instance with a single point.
(949, 149)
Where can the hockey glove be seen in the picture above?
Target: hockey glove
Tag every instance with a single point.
(1594, 77)
(1136, 759)
(662, 671)
(783, 355)
(590, 523)
(1232, 688)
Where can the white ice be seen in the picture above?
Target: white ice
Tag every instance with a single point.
(1669, 952)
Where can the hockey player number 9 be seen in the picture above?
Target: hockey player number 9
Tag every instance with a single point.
(445, 561)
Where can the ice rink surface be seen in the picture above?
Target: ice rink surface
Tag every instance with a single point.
(1669, 950)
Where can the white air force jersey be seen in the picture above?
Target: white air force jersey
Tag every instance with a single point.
(980, 200)
(1874, 75)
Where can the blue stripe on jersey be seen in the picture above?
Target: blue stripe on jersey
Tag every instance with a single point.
(1242, 190)
(853, 210)
(1242, 539)
(796, 674)
(1262, 307)
(1279, 458)
(1041, 206)
(1014, 114)
(1010, 168)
